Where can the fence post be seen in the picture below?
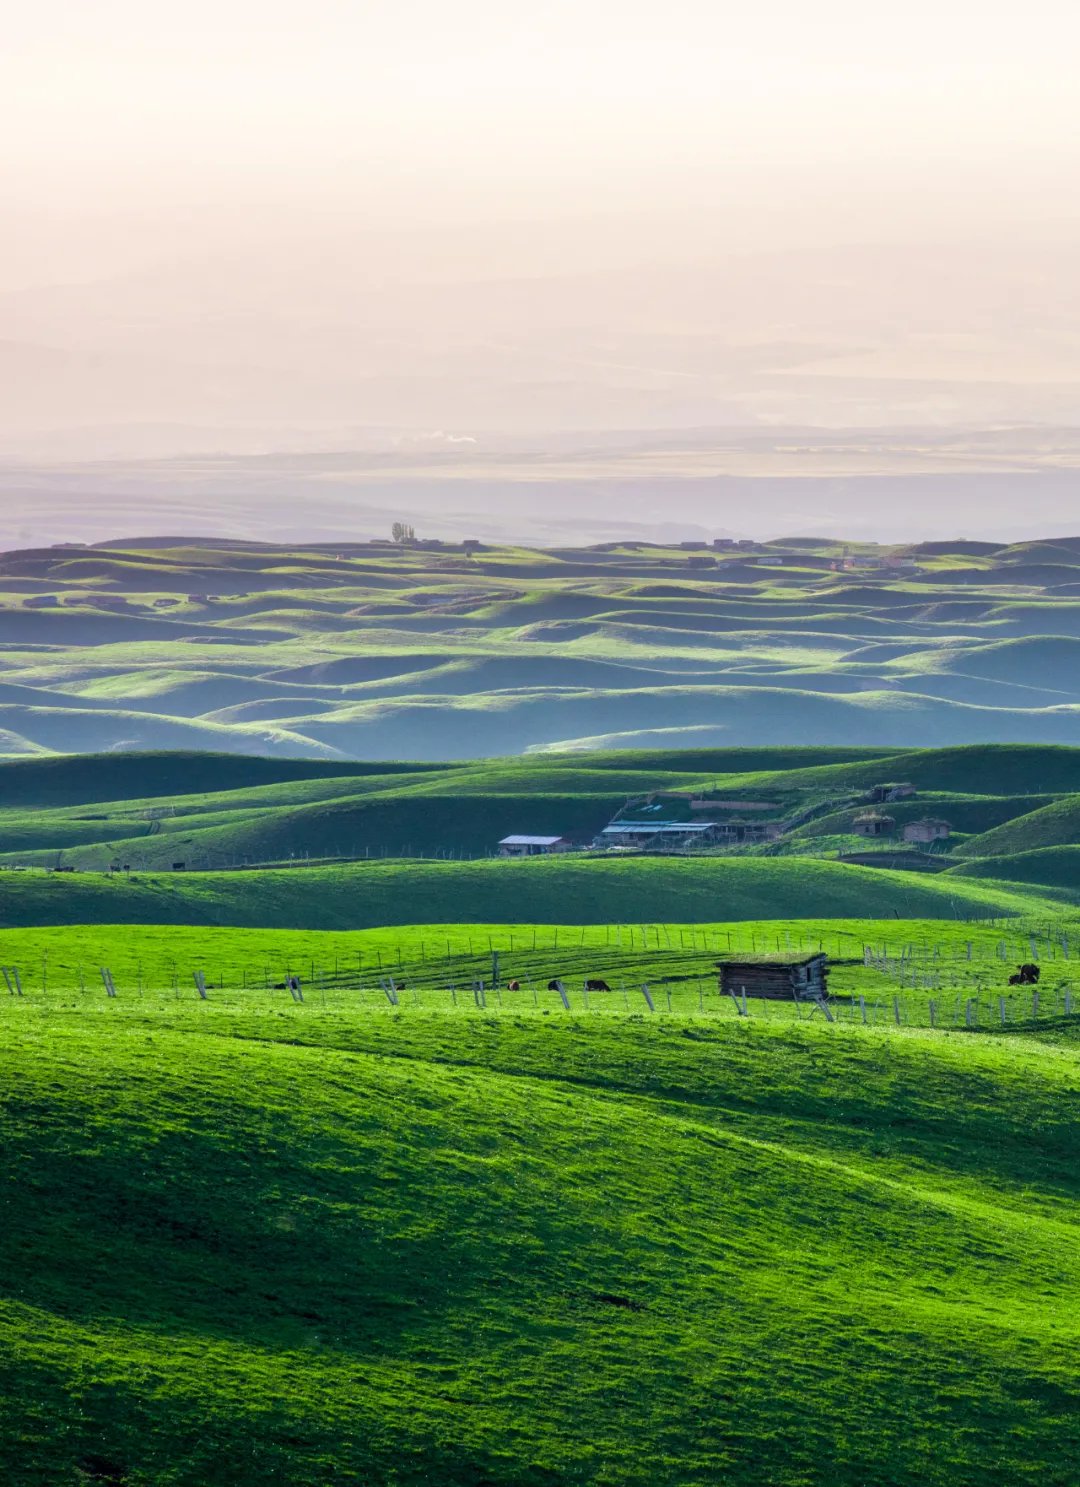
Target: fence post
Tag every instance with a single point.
(862, 1008)
(933, 1013)
(645, 992)
(1001, 1010)
(1035, 1004)
(561, 989)
(969, 1018)
(200, 985)
(896, 1009)
(1068, 1001)
(109, 983)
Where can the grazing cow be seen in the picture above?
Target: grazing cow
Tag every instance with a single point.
(595, 984)
(513, 986)
(553, 986)
(1026, 975)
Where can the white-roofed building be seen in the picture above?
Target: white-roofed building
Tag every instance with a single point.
(532, 846)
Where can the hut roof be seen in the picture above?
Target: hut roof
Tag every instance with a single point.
(783, 958)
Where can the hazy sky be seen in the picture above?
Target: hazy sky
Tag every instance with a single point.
(147, 130)
(291, 215)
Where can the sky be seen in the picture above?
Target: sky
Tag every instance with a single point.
(140, 123)
(209, 196)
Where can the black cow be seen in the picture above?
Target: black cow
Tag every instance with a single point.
(595, 984)
(553, 986)
(1027, 975)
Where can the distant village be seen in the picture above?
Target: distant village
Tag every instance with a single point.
(680, 821)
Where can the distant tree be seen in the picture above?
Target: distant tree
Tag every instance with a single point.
(403, 532)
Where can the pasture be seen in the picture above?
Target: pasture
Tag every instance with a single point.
(263, 1242)
(885, 974)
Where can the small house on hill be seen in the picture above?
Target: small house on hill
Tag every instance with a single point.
(873, 823)
(777, 977)
(929, 829)
(890, 790)
(532, 846)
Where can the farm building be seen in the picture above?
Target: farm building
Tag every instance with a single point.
(798, 975)
(890, 790)
(873, 823)
(704, 561)
(748, 831)
(656, 833)
(532, 846)
(698, 803)
(927, 830)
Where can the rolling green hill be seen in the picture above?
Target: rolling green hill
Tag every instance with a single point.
(540, 890)
(210, 813)
(1046, 868)
(428, 652)
(296, 1248)
(1053, 825)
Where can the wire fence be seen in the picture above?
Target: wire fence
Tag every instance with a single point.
(652, 971)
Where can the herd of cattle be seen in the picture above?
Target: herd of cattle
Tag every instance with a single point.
(1026, 975)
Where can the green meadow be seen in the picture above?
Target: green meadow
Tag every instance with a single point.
(300, 1191)
(300, 1245)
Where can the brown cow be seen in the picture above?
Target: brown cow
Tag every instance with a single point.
(513, 986)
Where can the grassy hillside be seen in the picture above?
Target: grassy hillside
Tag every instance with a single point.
(213, 812)
(90, 778)
(1056, 868)
(376, 651)
(542, 890)
(300, 1249)
(1053, 825)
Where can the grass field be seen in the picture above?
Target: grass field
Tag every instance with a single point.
(366, 650)
(885, 972)
(568, 889)
(401, 1223)
(296, 1245)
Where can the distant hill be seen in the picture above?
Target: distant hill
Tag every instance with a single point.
(367, 651)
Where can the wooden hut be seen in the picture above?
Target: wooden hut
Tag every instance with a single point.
(873, 823)
(796, 976)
